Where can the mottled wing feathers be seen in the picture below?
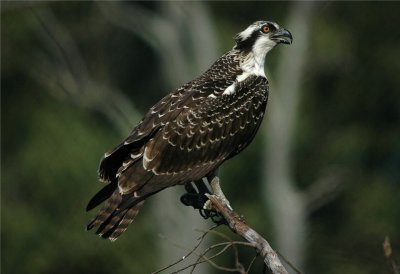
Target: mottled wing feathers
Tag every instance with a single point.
(182, 138)
(131, 149)
(214, 81)
(209, 132)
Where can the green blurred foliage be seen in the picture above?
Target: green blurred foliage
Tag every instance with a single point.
(349, 117)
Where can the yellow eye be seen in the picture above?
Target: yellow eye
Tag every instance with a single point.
(265, 29)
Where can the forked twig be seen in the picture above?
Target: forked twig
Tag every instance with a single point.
(239, 267)
(202, 258)
(200, 239)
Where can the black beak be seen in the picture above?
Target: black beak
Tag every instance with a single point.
(282, 36)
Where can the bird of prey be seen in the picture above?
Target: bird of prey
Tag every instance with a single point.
(189, 133)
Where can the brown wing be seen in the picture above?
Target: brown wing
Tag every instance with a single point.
(159, 116)
(214, 81)
(186, 135)
(123, 167)
(209, 132)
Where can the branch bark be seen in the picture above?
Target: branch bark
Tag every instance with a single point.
(239, 226)
(388, 252)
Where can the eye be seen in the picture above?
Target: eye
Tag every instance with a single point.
(265, 29)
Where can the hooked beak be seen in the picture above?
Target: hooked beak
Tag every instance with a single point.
(282, 36)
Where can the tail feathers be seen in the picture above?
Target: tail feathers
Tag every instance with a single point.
(106, 211)
(102, 195)
(112, 220)
(124, 221)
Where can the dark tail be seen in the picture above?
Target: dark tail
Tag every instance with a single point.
(119, 211)
(101, 196)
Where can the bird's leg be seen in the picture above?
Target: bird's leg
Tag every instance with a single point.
(217, 191)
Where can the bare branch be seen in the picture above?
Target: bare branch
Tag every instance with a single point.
(239, 267)
(251, 263)
(202, 258)
(209, 259)
(387, 250)
(238, 226)
(201, 238)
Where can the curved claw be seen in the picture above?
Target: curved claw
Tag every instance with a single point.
(196, 197)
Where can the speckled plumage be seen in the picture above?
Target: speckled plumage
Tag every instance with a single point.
(186, 136)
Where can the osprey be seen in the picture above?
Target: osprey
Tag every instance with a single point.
(187, 135)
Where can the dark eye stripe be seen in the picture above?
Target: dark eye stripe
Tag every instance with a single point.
(249, 42)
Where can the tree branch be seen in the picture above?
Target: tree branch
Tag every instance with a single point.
(387, 250)
(203, 257)
(238, 226)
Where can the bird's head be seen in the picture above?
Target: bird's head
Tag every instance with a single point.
(261, 36)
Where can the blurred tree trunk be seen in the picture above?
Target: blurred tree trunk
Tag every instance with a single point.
(285, 203)
(184, 53)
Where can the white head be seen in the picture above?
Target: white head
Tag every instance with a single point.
(262, 36)
(257, 40)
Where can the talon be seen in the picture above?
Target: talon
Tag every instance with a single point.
(197, 196)
(204, 214)
(227, 203)
(207, 205)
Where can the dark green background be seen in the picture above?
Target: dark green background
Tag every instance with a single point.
(349, 117)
